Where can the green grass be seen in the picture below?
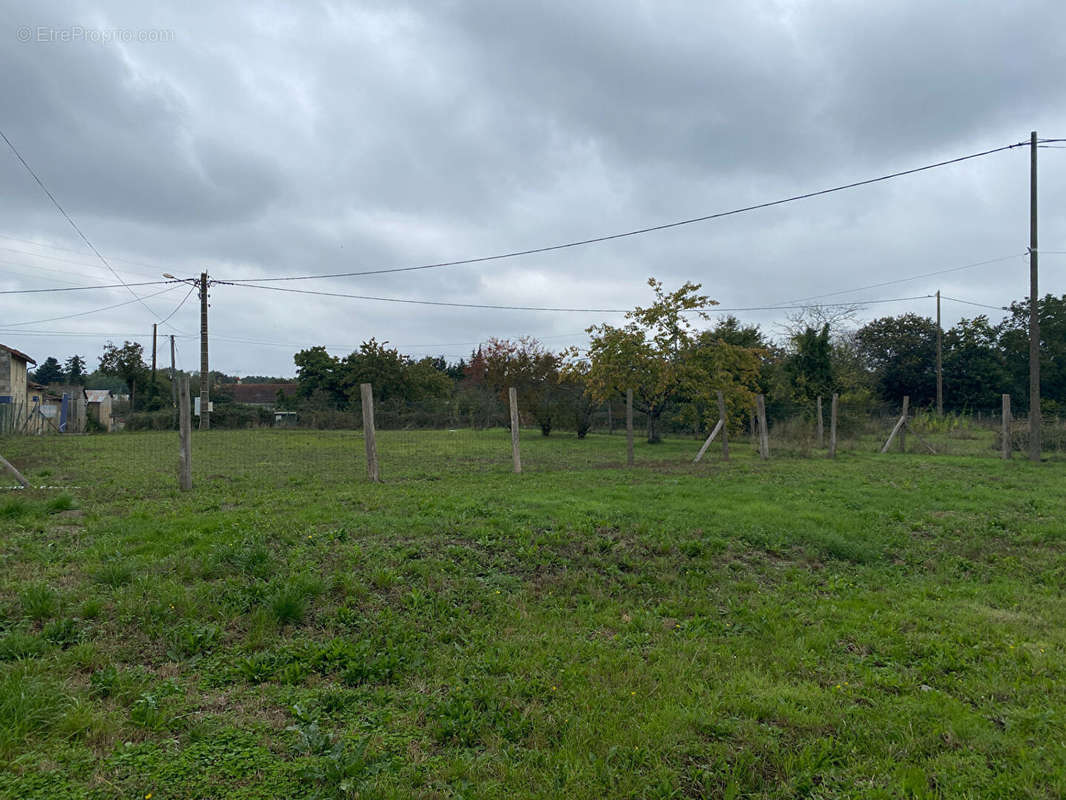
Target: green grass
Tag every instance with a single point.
(874, 627)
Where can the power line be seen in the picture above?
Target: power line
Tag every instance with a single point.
(86, 313)
(178, 307)
(639, 231)
(709, 309)
(80, 252)
(425, 302)
(972, 303)
(57, 258)
(912, 278)
(87, 288)
(73, 224)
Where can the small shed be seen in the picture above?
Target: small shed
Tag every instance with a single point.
(98, 403)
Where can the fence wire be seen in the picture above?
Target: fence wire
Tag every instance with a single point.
(255, 448)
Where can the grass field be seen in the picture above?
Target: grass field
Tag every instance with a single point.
(875, 627)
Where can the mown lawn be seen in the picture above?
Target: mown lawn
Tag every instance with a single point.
(874, 627)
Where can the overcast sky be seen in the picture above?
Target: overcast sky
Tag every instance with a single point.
(266, 140)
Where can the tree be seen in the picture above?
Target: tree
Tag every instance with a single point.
(75, 370)
(719, 365)
(901, 352)
(48, 372)
(810, 364)
(649, 354)
(531, 370)
(127, 363)
(1014, 341)
(975, 370)
(318, 375)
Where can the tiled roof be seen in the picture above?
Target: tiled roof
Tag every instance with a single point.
(257, 393)
(18, 353)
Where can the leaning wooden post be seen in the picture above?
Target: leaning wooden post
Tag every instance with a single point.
(512, 396)
(900, 423)
(1006, 443)
(184, 436)
(903, 429)
(629, 427)
(821, 435)
(18, 475)
(833, 427)
(717, 427)
(764, 439)
(366, 393)
(725, 426)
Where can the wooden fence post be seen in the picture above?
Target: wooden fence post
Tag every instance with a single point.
(764, 439)
(184, 436)
(366, 393)
(629, 427)
(903, 430)
(717, 427)
(1006, 444)
(898, 429)
(725, 426)
(512, 396)
(18, 475)
(821, 435)
(833, 427)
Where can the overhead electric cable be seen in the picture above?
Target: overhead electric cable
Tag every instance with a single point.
(179, 305)
(73, 224)
(86, 288)
(86, 313)
(639, 231)
(708, 309)
(911, 278)
(57, 258)
(972, 303)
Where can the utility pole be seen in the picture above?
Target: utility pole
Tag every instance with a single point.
(205, 373)
(155, 331)
(939, 360)
(1034, 316)
(173, 384)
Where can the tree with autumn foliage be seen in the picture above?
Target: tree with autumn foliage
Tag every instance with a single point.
(650, 354)
(527, 366)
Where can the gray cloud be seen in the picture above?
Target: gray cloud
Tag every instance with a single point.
(265, 141)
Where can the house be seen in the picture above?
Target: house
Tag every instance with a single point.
(30, 407)
(14, 366)
(264, 395)
(99, 407)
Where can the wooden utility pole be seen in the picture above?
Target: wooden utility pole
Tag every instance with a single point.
(173, 384)
(1034, 315)
(205, 372)
(833, 428)
(366, 394)
(185, 436)
(629, 427)
(173, 387)
(155, 332)
(939, 360)
(516, 454)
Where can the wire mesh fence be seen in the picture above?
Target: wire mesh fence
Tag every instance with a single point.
(431, 440)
